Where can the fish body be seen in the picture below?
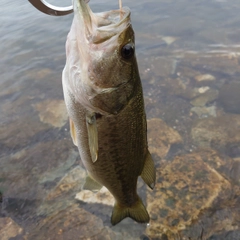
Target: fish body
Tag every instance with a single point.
(104, 99)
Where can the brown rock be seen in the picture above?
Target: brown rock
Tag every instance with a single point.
(52, 112)
(216, 132)
(223, 215)
(40, 165)
(72, 181)
(181, 87)
(213, 62)
(162, 67)
(206, 97)
(73, 223)
(187, 72)
(103, 196)
(220, 163)
(8, 228)
(203, 112)
(18, 132)
(169, 40)
(204, 77)
(161, 137)
(185, 188)
(39, 74)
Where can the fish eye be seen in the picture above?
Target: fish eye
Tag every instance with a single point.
(127, 51)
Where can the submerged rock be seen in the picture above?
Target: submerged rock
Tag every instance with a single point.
(200, 96)
(229, 97)
(39, 74)
(206, 97)
(228, 167)
(203, 112)
(220, 63)
(8, 228)
(203, 89)
(180, 87)
(60, 170)
(30, 172)
(208, 226)
(18, 132)
(103, 196)
(230, 235)
(204, 77)
(72, 181)
(162, 67)
(52, 112)
(185, 189)
(169, 40)
(217, 132)
(74, 223)
(161, 137)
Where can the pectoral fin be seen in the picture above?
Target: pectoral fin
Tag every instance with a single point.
(73, 132)
(149, 173)
(92, 136)
(91, 184)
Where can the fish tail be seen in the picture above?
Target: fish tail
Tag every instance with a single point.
(137, 212)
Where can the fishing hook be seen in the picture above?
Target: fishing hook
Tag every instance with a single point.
(50, 9)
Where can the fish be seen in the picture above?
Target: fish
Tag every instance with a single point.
(104, 99)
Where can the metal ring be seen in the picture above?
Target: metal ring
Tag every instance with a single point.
(50, 9)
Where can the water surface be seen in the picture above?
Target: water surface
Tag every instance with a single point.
(188, 56)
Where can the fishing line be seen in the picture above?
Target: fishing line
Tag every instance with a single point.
(120, 7)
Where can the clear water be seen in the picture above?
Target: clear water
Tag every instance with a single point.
(179, 44)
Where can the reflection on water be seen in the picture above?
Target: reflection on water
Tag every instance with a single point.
(188, 55)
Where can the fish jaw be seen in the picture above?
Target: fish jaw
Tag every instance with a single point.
(97, 71)
(99, 27)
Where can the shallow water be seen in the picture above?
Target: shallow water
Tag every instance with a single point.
(188, 55)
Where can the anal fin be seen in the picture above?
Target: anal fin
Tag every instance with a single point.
(92, 136)
(91, 184)
(73, 132)
(149, 172)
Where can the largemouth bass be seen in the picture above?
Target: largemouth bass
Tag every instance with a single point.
(104, 99)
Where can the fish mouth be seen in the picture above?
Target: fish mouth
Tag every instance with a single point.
(100, 27)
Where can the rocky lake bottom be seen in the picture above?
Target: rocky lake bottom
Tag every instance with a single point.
(189, 62)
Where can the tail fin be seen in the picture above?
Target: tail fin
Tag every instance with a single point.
(137, 212)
